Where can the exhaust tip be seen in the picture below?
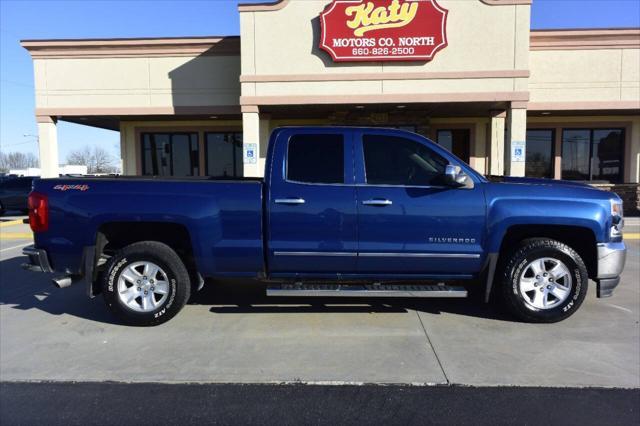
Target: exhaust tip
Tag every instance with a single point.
(62, 282)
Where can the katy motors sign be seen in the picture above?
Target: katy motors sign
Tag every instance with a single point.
(383, 30)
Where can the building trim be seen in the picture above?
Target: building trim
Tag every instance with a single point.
(447, 75)
(585, 39)
(263, 7)
(250, 109)
(45, 119)
(584, 106)
(133, 47)
(386, 98)
(140, 111)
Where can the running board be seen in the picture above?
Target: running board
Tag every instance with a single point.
(372, 290)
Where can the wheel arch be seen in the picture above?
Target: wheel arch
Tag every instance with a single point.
(113, 236)
(580, 238)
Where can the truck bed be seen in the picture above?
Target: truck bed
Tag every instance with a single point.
(223, 217)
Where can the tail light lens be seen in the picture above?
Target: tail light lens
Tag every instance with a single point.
(38, 212)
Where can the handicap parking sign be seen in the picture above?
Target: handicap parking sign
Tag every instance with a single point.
(250, 156)
(518, 151)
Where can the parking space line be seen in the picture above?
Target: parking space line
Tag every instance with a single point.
(632, 236)
(11, 223)
(15, 247)
(16, 236)
(446, 378)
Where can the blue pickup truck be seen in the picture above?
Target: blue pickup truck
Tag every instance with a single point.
(364, 212)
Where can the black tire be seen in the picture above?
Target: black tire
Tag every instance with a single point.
(1, 210)
(177, 276)
(527, 252)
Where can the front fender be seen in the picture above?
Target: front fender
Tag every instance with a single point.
(506, 213)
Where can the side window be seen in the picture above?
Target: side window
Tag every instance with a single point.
(316, 158)
(392, 160)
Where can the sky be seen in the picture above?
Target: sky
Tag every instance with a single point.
(46, 19)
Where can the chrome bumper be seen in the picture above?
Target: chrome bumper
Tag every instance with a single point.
(611, 260)
(38, 260)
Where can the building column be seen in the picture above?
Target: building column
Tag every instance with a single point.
(516, 139)
(496, 135)
(255, 136)
(48, 146)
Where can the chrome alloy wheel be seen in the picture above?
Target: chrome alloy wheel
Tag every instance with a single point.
(545, 283)
(143, 286)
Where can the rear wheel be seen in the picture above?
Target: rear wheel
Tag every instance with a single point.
(1, 209)
(146, 284)
(544, 281)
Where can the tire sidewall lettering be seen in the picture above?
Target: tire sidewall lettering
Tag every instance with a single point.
(115, 273)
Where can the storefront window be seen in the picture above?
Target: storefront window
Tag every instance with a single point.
(456, 141)
(223, 154)
(589, 154)
(170, 154)
(539, 162)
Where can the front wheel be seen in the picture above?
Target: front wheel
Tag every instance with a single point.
(146, 284)
(544, 281)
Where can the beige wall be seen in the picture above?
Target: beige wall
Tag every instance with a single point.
(273, 50)
(596, 75)
(136, 82)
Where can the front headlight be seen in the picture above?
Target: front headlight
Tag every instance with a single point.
(617, 219)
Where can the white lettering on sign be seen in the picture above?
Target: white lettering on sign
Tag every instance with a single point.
(417, 41)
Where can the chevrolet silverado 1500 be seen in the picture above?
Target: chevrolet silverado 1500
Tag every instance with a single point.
(363, 212)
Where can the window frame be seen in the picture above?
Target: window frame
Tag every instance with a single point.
(171, 134)
(435, 149)
(554, 132)
(592, 130)
(347, 159)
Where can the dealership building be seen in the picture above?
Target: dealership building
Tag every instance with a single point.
(471, 75)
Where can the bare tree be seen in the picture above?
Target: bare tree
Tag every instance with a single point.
(97, 159)
(17, 160)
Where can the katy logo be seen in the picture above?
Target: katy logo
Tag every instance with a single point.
(383, 30)
(367, 16)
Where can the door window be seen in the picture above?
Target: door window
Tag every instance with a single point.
(539, 161)
(392, 160)
(316, 158)
(170, 154)
(223, 154)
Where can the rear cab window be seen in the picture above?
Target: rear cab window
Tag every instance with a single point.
(316, 159)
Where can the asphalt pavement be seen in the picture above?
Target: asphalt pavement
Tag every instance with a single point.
(152, 404)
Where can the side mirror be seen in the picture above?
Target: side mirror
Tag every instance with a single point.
(454, 176)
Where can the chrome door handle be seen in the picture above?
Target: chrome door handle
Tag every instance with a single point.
(290, 201)
(379, 203)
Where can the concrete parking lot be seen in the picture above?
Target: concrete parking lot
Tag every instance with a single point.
(232, 333)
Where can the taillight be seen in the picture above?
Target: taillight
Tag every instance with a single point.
(38, 212)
